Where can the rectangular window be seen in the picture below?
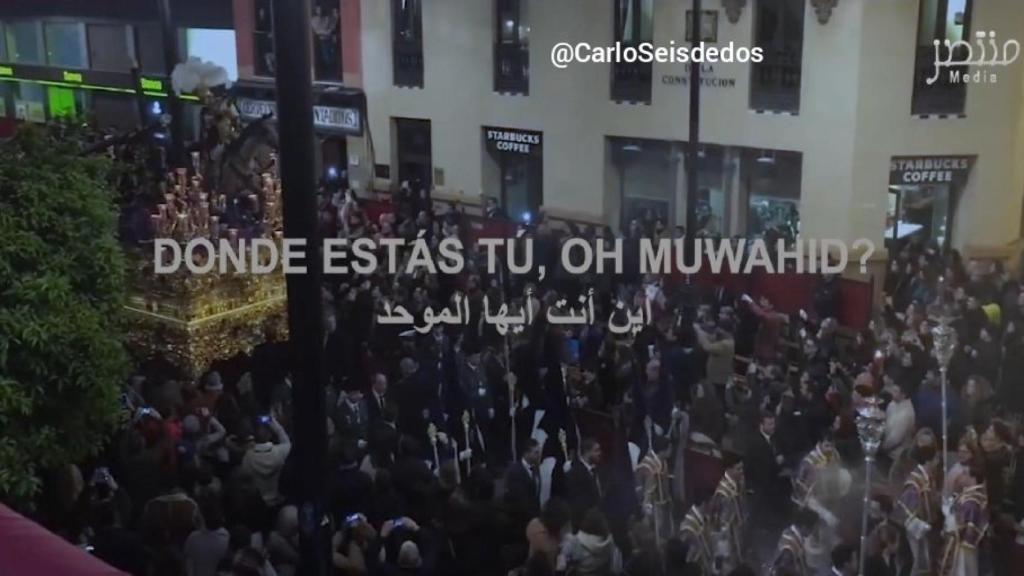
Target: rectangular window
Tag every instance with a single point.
(111, 47)
(213, 45)
(771, 180)
(942, 92)
(407, 42)
(326, 26)
(3, 44)
(65, 45)
(647, 172)
(634, 25)
(263, 40)
(29, 102)
(414, 156)
(779, 30)
(25, 42)
(149, 48)
(512, 47)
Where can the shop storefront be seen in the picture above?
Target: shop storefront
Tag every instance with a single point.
(740, 191)
(113, 100)
(650, 175)
(513, 168)
(770, 180)
(923, 193)
(337, 114)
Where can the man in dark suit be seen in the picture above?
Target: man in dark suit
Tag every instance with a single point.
(379, 396)
(522, 486)
(893, 556)
(762, 468)
(352, 416)
(583, 488)
(721, 297)
(349, 489)
(384, 437)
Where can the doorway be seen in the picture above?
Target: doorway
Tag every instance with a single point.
(334, 161)
(415, 165)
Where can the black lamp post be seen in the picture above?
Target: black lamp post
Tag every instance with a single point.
(292, 41)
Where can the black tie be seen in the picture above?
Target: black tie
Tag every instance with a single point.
(535, 473)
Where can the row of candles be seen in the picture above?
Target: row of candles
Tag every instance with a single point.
(189, 211)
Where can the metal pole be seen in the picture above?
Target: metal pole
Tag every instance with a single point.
(292, 41)
(176, 158)
(945, 424)
(868, 463)
(692, 168)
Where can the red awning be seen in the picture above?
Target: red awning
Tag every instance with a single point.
(28, 549)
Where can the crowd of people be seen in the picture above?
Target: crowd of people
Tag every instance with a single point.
(721, 438)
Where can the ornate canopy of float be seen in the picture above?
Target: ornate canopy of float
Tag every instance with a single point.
(231, 191)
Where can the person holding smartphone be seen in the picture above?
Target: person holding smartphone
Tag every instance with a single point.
(265, 459)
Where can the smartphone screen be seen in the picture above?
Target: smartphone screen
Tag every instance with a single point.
(574, 350)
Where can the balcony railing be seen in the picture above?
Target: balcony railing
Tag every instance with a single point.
(944, 96)
(631, 81)
(511, 68)
(408, 62)
(775, 84)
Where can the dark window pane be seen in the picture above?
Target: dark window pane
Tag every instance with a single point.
(407, 42)
(111, 47)
(634, 25)
(941, 93)
(326, 26)
(263, 40)
(24, 42)
(150, 50)
(779, 29)
(65, 45)
(511, 48)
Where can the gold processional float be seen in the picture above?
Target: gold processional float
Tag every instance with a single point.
(192, 320)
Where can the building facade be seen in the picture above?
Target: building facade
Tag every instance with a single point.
(104, 62)
(836, 134)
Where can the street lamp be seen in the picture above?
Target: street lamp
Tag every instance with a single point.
(870, 427)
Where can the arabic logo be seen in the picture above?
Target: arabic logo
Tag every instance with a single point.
(997, 59)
